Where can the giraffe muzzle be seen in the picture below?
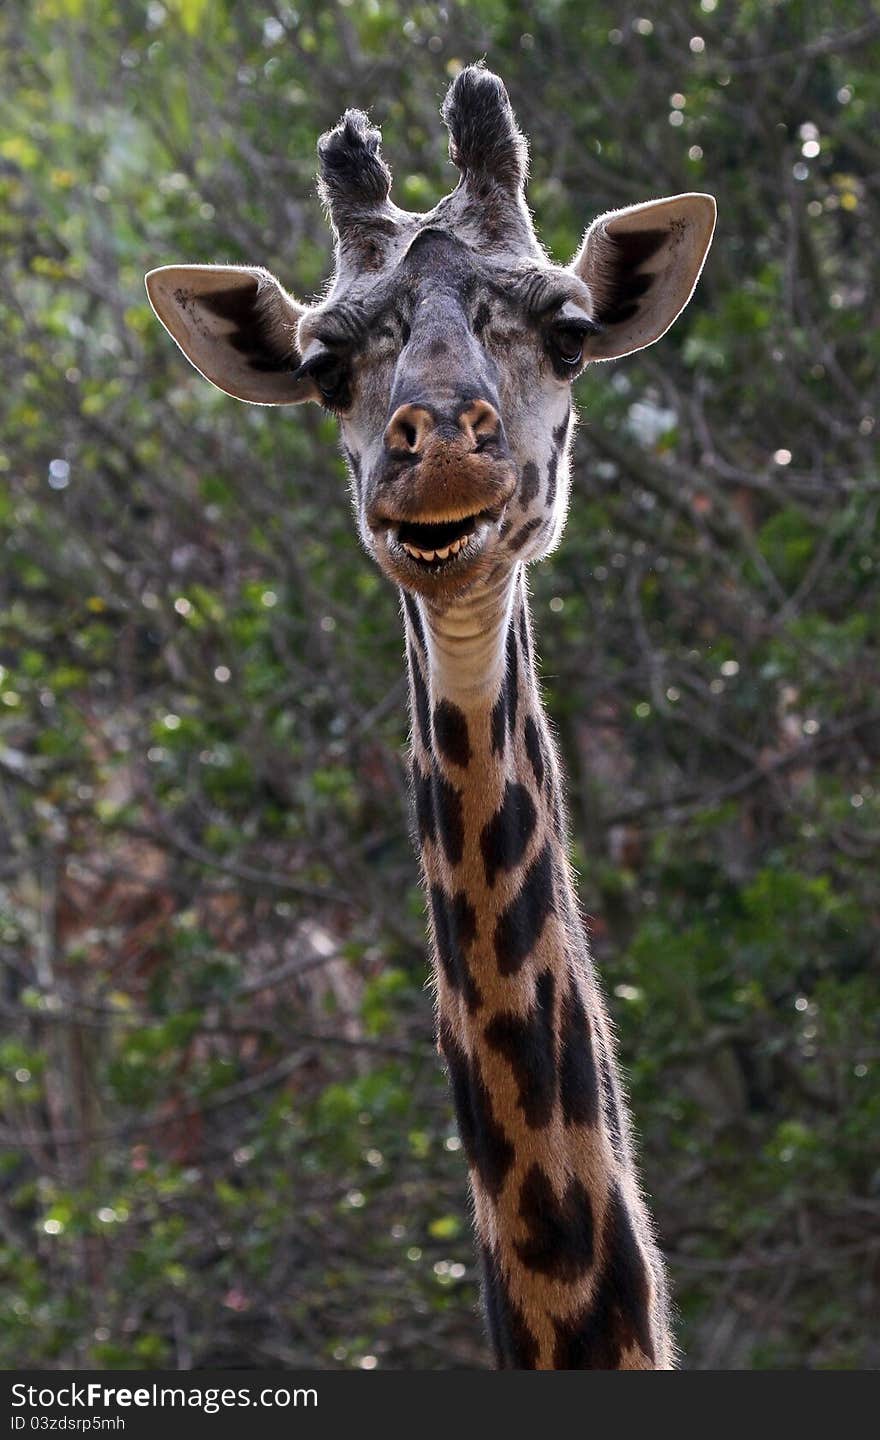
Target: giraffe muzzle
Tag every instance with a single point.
(440, 493)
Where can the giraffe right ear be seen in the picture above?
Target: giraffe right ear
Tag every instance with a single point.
(641, 265)
(237, 326)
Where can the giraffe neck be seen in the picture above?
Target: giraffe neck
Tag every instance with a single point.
(572, 1276)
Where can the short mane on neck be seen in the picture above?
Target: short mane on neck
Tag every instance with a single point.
(572, 1278)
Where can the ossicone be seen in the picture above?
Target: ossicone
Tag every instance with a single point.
(485, 141)
(354, 178)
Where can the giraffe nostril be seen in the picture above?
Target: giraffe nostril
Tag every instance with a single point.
(481, 423)
(408, 429)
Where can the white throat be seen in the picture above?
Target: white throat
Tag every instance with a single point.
(466, 641)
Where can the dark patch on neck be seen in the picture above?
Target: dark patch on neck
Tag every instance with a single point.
(424, 805)
(451, 733)
(499, 723)
(411, 606)
(449, 817)
(534, 749)
(505, 707)
(530, 483)
(518, 928)
(506, 837)
(513, 1344)
(619, 1317)
(560, 1238)
(527, 1044)
(524, 633)
(511, 679)
(487, 1147)
(455, 930)
(422, 704)
(578, 1082)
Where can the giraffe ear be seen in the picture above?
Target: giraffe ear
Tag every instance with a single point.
(641, 265)
(237, 326)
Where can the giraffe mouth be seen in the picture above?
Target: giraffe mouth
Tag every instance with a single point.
(437, 544)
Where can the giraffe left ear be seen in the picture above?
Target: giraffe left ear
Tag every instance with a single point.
(237, 326)
(641, 265)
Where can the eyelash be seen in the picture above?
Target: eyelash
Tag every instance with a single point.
(321, 368)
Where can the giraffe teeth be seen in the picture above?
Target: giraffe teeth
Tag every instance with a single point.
(445, 553)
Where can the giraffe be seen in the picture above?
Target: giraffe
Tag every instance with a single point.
(447, 344)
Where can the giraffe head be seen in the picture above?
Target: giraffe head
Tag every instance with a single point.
(447, 343)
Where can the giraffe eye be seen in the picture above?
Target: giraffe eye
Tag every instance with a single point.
(329, 373)
(329, 380)
(568, 343)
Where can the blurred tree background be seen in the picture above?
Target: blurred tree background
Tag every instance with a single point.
(226, 1139)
